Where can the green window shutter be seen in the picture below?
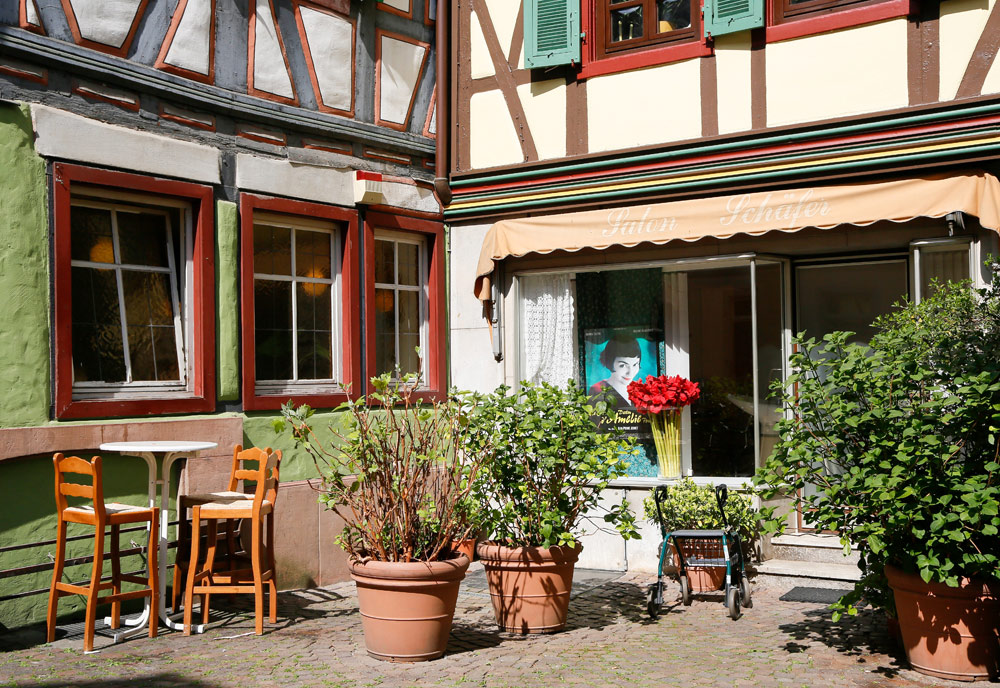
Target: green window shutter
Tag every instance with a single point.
(551, 32)
(730, 16)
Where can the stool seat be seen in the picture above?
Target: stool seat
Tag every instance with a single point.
(205, 497)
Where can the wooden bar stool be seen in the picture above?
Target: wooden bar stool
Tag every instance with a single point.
(237, 472)
(99, 514)
(203, 579)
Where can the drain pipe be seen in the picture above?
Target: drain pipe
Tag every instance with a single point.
(442, 24)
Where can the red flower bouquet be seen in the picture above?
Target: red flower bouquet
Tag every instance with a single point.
(662, 399)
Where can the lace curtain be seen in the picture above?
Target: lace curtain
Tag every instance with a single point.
(549, 328)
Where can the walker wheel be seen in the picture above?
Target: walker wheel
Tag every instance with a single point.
(654, 600)
(733, 602)
(685, 591)
(745, 593)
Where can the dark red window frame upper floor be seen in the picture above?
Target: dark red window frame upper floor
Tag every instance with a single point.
(201, 356)
(350, 329)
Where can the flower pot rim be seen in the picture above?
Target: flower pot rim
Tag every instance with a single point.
(967, 586)
(411, 570)
(490, 550)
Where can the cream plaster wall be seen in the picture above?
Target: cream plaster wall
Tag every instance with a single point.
(83, 139)
(31, 13)
(480, 63)
(330, 42)
(284, 178)
(189, 49)
(401, 5)
(847, 72)
(503, 13)
(732, 65)
(399, 72)
(493, 140)
(670, 110)
(959, 27)
(105, 21)
(545, 109)
(269, 71)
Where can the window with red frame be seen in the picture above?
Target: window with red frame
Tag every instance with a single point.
(133, 294)
(790, 10)
(300, 302)
(623, 25)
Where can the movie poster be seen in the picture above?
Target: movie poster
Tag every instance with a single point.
(613, 357)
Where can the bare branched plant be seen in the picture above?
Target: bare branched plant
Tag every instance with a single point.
(399, 475)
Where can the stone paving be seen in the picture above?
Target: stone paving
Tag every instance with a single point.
(786, 640)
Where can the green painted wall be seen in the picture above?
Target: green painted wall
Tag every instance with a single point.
(24, 274)
(227, 316)
(296, 464)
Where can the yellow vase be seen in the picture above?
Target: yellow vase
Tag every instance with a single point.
(667, 438)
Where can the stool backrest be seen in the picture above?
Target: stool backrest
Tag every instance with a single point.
(264, 475)
(77, 466)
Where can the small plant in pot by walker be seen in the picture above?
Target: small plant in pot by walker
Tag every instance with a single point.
(895, 447)
(547, 460)
(685, 505)
(401, 480)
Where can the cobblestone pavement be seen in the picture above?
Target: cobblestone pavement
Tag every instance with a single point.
(786, 639)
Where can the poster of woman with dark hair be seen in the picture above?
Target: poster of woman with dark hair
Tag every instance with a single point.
(614, 357)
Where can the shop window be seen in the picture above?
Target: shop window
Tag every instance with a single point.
(404, 275)
(133, 294)
(939, 261)
(299, 335)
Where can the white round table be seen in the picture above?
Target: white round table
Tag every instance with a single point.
(159, 457)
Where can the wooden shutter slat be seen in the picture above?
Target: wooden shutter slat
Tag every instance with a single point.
(730, 16)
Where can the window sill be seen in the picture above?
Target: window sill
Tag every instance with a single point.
(113, 408)
(650, 483)
(270, 402)
(653, 57)
(842, 19)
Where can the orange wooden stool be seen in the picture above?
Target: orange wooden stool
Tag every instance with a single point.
(99, 515)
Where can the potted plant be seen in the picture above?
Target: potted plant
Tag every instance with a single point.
(894, 446)
(685, 505)
(546, 460)
(400, 479)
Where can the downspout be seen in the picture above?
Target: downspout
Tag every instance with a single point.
(442, 24)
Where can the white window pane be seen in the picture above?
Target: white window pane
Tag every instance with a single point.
(312, 254)
(385, 330)
(385, 270)
(97, 331)
(273, 330)
(91, 235)
(142, 238)
(149, 315)
(943, 266)
(272, 250)
(314, 334)
(409, 264)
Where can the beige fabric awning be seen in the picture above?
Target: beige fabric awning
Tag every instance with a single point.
(976, 193)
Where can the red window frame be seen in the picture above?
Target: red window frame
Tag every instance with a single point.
(596, 63)
(820, 16)
(350, 298)
(435, 358)
(201, 357)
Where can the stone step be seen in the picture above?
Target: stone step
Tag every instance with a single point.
(816, 574)
(825, 549)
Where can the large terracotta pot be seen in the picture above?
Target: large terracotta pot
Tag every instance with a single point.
(702, 579)
(407, 608)
(949, 632)
(529, 586)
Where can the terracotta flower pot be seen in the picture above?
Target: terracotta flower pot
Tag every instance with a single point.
(702, 579)
(407, 608)
(466, 547)
(529, 586)
(949, 632)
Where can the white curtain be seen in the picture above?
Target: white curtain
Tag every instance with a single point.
(548, 328)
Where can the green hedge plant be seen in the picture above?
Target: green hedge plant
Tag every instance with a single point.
(894, 445)
(687, 505)
(546, 460)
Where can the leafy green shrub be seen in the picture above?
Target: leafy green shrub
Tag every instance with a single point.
(894, 445)
(687, 505)
(546, 461)
(399, 475)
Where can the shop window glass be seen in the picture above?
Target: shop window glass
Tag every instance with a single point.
(127, 296)
(939, 261)
(400, 303)
(295, 296)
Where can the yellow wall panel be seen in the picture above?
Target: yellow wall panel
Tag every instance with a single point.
(848, 72)
(959, 27)
(481, 65)
(644, 107)
(493, 140)
(545, 108)
(732, 64)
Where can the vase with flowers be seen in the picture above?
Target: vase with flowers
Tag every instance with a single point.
(663, 399)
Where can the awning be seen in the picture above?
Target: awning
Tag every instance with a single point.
(976, 193)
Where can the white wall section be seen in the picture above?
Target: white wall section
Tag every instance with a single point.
(72, 137)
(308, 182)
(270, 73)
(329, 40)
(960, 24)
(399, 73)
(492, 139)
(105, 21)
(192, 40)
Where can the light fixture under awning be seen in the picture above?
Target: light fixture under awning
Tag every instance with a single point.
(976, 193)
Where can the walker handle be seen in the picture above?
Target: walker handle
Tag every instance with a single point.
(722, 496)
